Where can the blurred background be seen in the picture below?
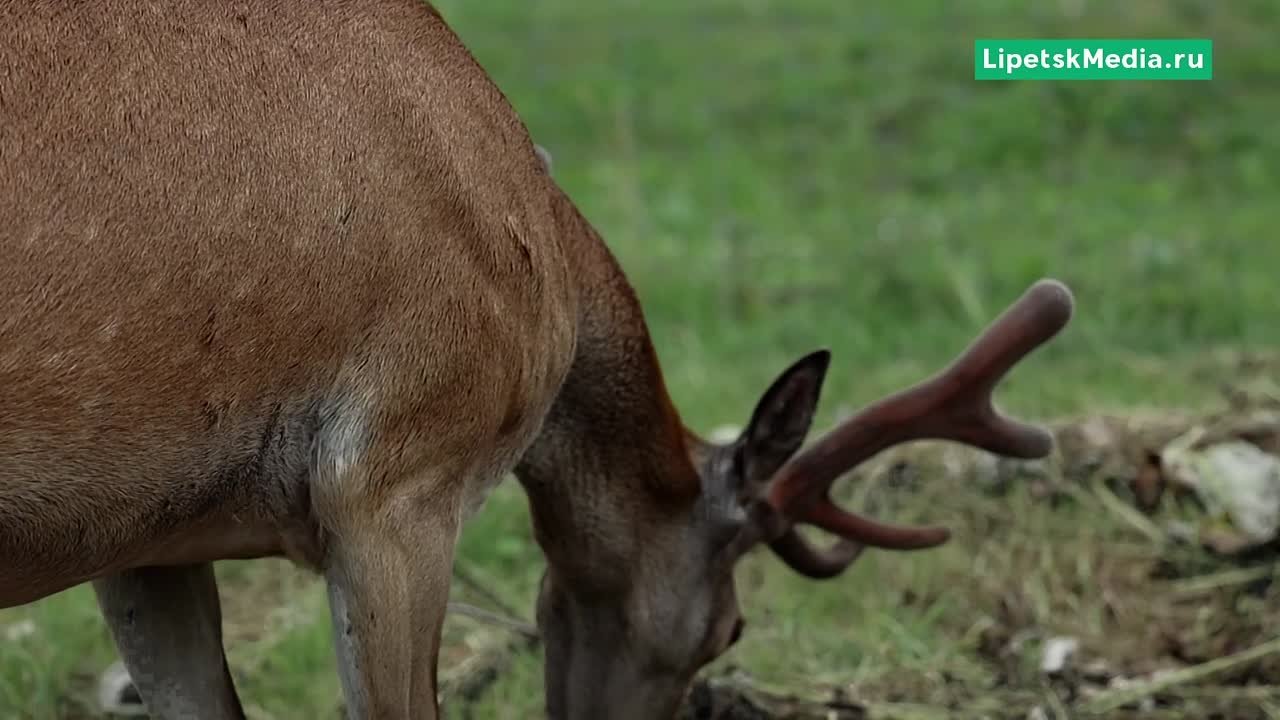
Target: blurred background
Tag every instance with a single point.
(781, 175)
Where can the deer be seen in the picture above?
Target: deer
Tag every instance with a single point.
(291, 279)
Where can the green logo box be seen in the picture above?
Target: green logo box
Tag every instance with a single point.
(1093, 59)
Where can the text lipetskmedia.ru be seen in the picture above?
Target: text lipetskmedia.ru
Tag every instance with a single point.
(1093, 59)
(1135, 59)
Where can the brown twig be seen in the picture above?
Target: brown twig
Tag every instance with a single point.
(491, 618)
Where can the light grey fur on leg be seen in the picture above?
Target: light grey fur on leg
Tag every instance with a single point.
(167, 625)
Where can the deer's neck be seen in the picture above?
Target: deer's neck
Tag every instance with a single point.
(612, 444)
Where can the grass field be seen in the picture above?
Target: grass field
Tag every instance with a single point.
(781, 175)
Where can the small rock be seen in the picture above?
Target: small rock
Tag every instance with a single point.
(1235, 480)
(1057, 651)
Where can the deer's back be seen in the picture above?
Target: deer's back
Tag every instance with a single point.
(223, 226)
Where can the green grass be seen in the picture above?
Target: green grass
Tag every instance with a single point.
(777, 176)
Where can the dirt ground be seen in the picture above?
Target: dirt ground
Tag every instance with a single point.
(1180, 624)
(1166, 615)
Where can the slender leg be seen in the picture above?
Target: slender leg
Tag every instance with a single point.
(388, 593)
(167, 624)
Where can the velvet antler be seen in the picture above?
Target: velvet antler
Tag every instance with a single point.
(955, 404)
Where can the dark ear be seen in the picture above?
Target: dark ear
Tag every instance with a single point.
(782, 418)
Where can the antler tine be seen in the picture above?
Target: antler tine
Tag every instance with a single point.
(955, 404)
(811, 562)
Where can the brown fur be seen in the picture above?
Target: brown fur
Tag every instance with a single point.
(179, 310)
(289, 278)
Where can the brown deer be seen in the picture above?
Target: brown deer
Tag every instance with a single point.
(289, 278)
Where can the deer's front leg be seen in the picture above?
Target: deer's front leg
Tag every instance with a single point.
(167, 625)
(388, 582)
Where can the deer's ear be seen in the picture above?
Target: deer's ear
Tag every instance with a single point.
(782, 418)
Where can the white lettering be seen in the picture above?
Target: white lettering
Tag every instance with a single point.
(1132, 59)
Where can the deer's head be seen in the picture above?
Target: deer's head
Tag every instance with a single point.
(640, 593)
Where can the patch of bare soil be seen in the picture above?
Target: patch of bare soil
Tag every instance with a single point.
(1112, 593)
(1126, 585)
